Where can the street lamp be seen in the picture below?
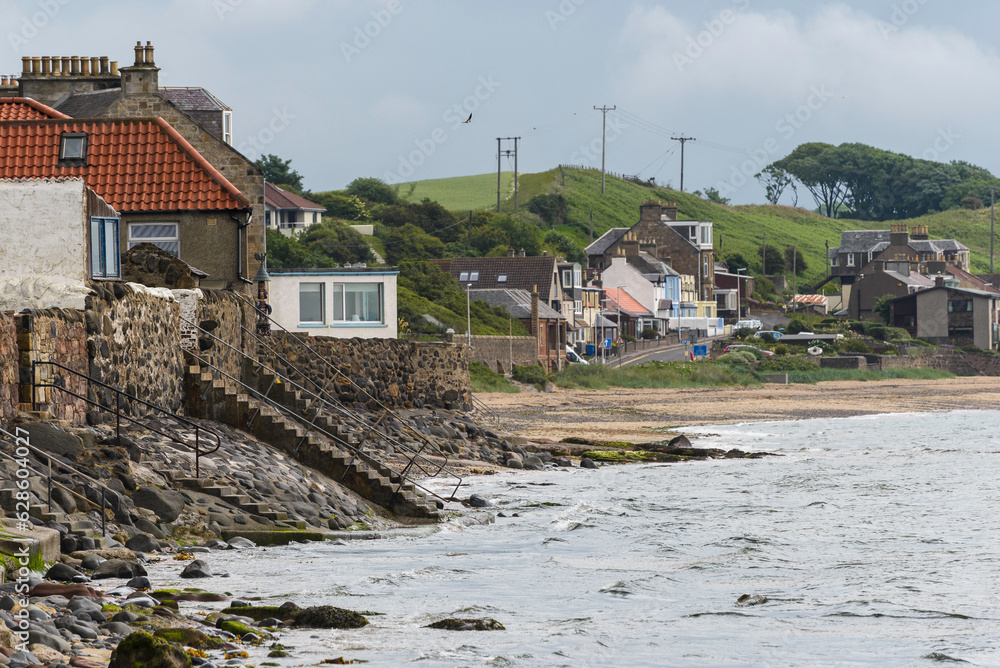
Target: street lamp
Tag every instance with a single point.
(619, 300)
(739, 297)
(468, 315)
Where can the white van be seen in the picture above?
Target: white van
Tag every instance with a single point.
(573, 358)
(750, 324)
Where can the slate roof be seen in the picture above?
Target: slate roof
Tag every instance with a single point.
(88, 105)
(974, 293)
(608, 239)
(630, 306)
(876, 241)
(277, 198)
(193, 99)
(134, 164)
(981, 282)
(26, 109)
(939, 245)
(515, 302)
(523, 273)
(912, 279)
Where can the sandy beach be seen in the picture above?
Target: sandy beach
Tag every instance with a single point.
(642, 415)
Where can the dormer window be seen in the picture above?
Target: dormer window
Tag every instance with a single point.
(502, 278)
(73, 149)
(227, 127)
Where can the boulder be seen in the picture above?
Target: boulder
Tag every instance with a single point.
(142, 542)
(50, 438)
(329, 617)
(62, 572)
(118, 568)
(67, 590)
(197, 569)
(141, 649)
(453, 624)
(166, 503)
(92, 561)
(477, 501)
(587, 463)
(533, 462)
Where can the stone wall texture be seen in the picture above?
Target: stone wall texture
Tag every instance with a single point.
(224, 320)
(956, 362)
(393, 372)
(9, 356)
(133, 343)
(60, 336)
(498, 352)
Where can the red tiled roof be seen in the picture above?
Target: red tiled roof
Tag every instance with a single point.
(628, 302)
(134, 164)
(26, 109)
(809, 299)
(282, 199)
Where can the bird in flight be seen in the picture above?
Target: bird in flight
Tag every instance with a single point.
(469, 119)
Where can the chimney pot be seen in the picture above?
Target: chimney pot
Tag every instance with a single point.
(149, 53)
(139, 53)
(74, 64)
(510, 251)
(65, 66)
(85, 67)
(95, 66)
(114, 68)
(26, 65)
(104, 64)
(46, 65)
(520, 253)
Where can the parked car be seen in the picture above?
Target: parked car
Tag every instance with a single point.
(573, 357)
(750, 324)
(776, 334)
(743, 346)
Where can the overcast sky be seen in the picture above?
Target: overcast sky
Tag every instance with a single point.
(348, 88)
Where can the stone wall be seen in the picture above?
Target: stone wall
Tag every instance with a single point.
(395, 372)
(133, 343)
(956, 362)
(497, 352)
(9, 372)
(60, 336)
(225, 316)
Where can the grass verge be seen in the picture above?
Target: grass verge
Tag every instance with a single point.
(485, 380)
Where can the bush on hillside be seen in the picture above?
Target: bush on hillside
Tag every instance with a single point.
(531, 375)
(854, 346)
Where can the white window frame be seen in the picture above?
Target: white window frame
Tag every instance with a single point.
(341, 318)
(850, 259)
(105, 254)
(227, 127)
(835, 262)
(134, 241)
(322, 305)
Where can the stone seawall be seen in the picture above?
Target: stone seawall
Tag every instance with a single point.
(956, 362)
(226, 317)
(60, 336)
(394, 372)
(500, 352)
(9, 371)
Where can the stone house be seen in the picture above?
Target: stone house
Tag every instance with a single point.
(165, 191)
(883, 278)
(287, 212)
(858, 248)
(950, 315)
(343, 302)
(90, 88)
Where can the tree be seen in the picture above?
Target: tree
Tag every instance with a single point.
(337, 241)
(279, 172)
(409, 242)
(775, 181)
(562, 244)
(883, 308)
(736, 261)
(339, 205)
(373, 190)
(774, 261)
(551, 208)
(712, 195)
(429, 216)
(288, 253)
(794, 257)
(815, 166)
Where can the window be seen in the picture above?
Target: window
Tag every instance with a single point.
(227, 127)
(835, 262)
(311, 304)
(105, 260)
(463, 277)
(959, 306)
(267, 219)
(704, 270)
(164, 235)
(850, 259)
(357, 302)
(578, 306)
(473, 276)
(706, 235)
(567, 278)
(502, 278)
(73, 149)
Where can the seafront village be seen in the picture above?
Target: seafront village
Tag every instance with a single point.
(164, 394)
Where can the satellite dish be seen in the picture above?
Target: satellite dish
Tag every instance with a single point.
(814, 350)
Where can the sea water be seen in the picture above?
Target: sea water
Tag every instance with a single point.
(869, 541)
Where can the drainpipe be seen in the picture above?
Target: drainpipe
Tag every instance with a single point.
(240, 226)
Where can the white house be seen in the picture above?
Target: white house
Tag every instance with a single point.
(287, 212)
(343, 302)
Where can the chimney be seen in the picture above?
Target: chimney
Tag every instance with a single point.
(142, 78)
(520, 253)
(939, 281)
(649, 211)
(920, 232)
(534, 310)
(670, 210)
(140, 54)
(149, 53)
(510, 251)
(899, 234)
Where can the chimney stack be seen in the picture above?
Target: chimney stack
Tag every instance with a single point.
(510, 251)
(140, 54)
(149, 53)
(520, 253)
(939, 281)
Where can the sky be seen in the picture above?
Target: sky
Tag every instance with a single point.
(355, 88)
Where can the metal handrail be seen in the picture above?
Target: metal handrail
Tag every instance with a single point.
(414, 455)
(490, 413)
(20, 442)
(119, 393)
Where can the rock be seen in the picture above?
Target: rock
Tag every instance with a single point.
(679, 442)
(69, 544)
(477, 501)
(514, 463)
(587, 463)
(747, 600)
(23, 658)
(534, 463)
(118, 568)
(92, 561)
(146, 526)
(141, 582)
(197, 569)
(239, 542)
(188, 637)
(67, 590)
(61, 572)
(125, 617)
(46, 436)
(142, 542)
(453, 624)
(55, 642)
(46, 654)
(117, 628)
(329, 617)
(167, 504)
(141, 649)
(562, 461)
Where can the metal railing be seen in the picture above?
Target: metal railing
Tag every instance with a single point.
(490, 414)
(21, 460)
(317, 402)
(119, 395)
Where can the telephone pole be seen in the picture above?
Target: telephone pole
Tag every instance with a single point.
(683, 140)
(507, 152)
(604, 135)
(992, 198)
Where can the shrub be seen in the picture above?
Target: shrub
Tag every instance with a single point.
(877, 331)
(744, 333)
(737, 357)
(796, 325)
(531, 375)
(854, 346)
(650, 333)
(777, 365)
(483, 379)
(781, 349)
(897, 333)
(767, 338)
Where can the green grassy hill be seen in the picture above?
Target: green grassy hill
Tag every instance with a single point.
(738, 229)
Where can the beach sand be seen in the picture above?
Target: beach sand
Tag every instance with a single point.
(643, 415)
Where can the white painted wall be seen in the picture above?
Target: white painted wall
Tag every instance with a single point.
(43, 244)
(283, 294)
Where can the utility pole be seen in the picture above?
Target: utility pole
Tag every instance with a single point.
(794, 267)
(604, 135)
(468, 240)
(683, 140)
(763, 256)
(508, 153)
(992, 198)
(592, 230)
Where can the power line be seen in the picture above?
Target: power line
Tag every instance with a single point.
(683, 140)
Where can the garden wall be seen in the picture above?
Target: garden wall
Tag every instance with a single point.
(499, 352)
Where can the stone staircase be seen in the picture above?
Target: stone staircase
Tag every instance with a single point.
(224, 400)
(80, 527)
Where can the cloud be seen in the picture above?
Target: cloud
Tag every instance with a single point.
(878, 69)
